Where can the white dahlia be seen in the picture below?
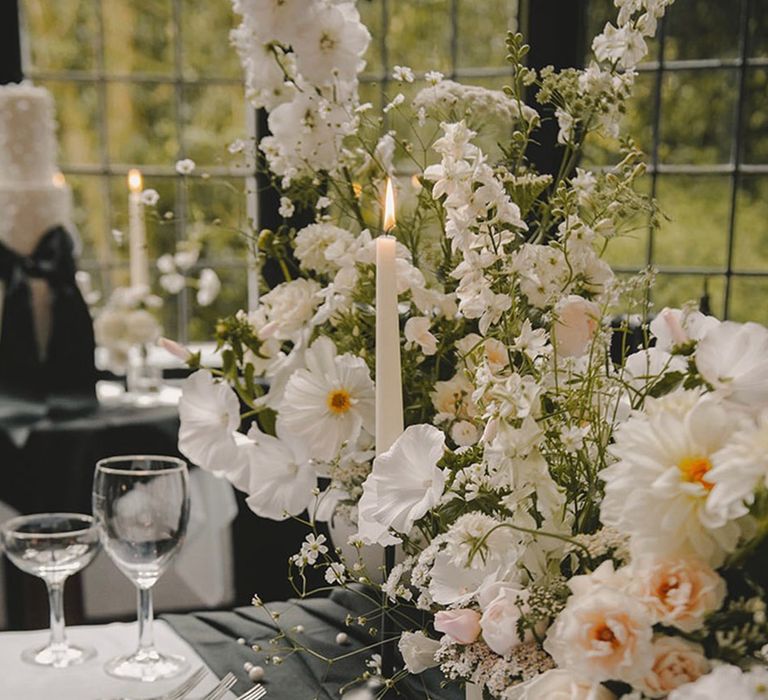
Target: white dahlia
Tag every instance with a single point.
(330, 402)
(657, 491)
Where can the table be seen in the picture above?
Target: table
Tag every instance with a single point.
(21, 681)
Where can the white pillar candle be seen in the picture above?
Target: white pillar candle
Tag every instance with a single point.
(137, 232)
(389, 383)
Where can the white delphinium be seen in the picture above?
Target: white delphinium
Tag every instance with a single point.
(417, 334)
(330, 402)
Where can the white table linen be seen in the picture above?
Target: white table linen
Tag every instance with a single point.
(22, 681)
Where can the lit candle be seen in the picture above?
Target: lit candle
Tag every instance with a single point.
(137, 232)
(389, 383)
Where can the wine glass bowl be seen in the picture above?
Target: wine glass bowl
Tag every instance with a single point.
(53, 546)
(141, 504)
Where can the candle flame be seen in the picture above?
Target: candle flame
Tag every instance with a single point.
(135, 183)
(59, 180)
(389, 207)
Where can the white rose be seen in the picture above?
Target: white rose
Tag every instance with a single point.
(291, 305)
(577, 321)
(418, 651)
(500, 618)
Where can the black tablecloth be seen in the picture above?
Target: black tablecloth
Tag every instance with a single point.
(47, 462)
(301, 676)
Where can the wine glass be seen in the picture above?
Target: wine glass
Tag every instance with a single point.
(53, 546)
(141, 504)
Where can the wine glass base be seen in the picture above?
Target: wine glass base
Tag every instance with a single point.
(58, 655)
(148, 666)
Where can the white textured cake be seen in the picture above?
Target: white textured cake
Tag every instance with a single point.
(33, 195)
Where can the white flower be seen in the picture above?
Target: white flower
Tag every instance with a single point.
(396, 101)
(558, 684)
(150, 197)
(567, 126)
(166, 264)
(330, 402)
(237, 146)
(733, 358)
(673, 327)
(141, 327)
(185, 166)
(725, 682)
(173, 283)
(290, 306)
(313, 242)
(464, 433)
(282, 476)
(406, 479)
(417, 333)
(433, 77)
(455, 584)
(209, 412)
(287, 208)
(657, 491)
(313, 546)
(741, 469)
(418, 651)
(583, 184)
(208, 287)
(623, 45)
(403, 74)
(329, 43)
(185, 258)
(602, 636)
(500, 619)
(335, 573)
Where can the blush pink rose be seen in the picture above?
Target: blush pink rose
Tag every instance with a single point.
(500, 619)
(675, 663)
(680, 592)
(462, 626)
(576, 324)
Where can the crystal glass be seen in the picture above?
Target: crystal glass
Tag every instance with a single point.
(141, 504)
(53, 546)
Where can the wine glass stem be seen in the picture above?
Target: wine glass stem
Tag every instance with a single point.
(146, 636)
(56, 607)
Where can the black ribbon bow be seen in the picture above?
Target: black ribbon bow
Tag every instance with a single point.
(68, 367)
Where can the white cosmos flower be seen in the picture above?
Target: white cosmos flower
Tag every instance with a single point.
(733, 358)
(283, 476)
(210, 416)
(406, 479)
(658, 489)
(329, 402)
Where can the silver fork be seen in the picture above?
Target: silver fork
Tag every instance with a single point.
(182, 690)
(256, 693)
(221, 688)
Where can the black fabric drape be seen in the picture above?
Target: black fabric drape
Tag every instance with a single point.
(68, 369)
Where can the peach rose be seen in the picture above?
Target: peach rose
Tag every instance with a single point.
(576, 324)
(605, 635)
(557, 684)
(675, 663)
(462, 626)
(680, 592)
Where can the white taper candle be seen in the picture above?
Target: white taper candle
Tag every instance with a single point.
(137, 232)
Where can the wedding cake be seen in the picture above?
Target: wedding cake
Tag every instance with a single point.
(33, 196)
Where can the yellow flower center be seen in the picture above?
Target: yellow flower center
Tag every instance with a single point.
(339, 401)
(694, 469)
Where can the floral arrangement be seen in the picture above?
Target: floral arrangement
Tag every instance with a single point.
(576, 524)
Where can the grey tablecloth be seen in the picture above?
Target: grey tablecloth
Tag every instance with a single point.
(301, 676)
